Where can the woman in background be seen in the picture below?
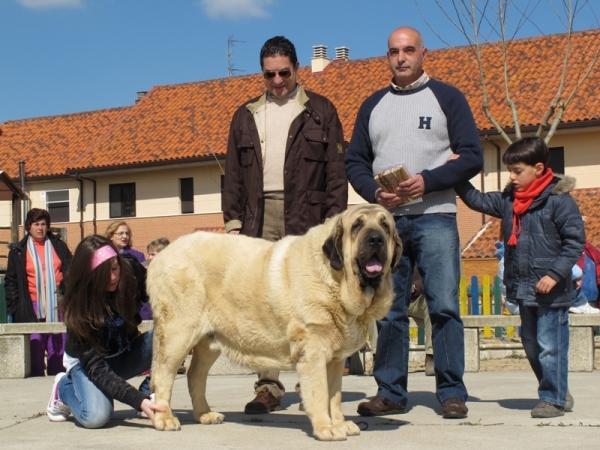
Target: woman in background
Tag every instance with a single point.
(34, 281)
(120, 234)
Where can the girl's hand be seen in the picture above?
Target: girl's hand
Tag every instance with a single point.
(150, 408)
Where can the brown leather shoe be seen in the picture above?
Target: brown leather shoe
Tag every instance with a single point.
(454, 408)
(263, 403)
(379, 406)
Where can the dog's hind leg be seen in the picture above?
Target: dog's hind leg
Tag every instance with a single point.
(202, 360)
(334, 383)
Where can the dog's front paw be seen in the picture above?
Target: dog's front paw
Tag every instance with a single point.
(166, 422)
(330, 433)
(350, 428)
(211, 417)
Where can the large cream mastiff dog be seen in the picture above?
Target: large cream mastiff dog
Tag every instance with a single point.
(303, 302)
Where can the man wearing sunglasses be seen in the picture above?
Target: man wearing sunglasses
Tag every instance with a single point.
(419, 122)
(284, 170)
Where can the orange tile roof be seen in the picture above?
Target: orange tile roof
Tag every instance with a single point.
(191, 121)
(482, 244)
(535, 68)
(48, 144)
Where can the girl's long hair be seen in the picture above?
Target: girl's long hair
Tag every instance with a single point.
(86, 299)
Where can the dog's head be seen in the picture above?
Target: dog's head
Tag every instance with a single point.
(364, 238)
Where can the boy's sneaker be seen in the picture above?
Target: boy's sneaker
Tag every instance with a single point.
(57, 411)
(545, 410)
(585, 309)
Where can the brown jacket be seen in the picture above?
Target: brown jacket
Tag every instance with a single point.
(315, 182)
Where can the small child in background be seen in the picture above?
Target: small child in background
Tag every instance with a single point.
(543, 238)
(580, 301)
(154, 248)
(509, 305)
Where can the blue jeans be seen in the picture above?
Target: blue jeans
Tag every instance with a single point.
(89, 405)
(545, 336)
(431, 242)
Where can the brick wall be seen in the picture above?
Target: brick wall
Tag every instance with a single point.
(480, 267)
(469, 222)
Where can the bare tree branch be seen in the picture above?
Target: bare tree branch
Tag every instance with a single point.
(511, 104)
(565, 104)
(480, 20)
(561, 85)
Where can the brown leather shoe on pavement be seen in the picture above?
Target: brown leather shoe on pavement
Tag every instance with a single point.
(263, 403)
(379, 406)
(454, 408)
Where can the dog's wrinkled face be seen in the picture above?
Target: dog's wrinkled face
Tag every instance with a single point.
(366, 237)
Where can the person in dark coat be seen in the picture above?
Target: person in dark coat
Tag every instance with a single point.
(284, 170)
(34, 282)
(543, 239)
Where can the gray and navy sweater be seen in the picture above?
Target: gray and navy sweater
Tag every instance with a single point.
(420, 128)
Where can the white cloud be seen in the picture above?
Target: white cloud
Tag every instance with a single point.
(235, 9)
(47, 4)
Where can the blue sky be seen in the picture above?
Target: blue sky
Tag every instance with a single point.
(65, 56)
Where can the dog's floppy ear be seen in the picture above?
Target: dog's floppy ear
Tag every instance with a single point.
(333, 247)
(397, 252)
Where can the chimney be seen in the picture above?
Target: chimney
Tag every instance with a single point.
(342, 53)
(140, 95)
(319, 60)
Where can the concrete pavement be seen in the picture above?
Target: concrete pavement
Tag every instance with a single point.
(499, 406)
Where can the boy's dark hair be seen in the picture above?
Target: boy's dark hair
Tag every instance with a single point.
(158, 244)
(529, 150)
(278, 46)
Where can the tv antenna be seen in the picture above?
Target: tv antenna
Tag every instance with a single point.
(230, 66)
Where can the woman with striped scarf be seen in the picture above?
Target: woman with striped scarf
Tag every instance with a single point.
(34, 279)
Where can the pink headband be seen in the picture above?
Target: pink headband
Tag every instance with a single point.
(102, 254)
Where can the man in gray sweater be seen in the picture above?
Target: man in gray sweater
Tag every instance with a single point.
(418, 122)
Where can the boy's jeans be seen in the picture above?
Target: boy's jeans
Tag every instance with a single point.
(88, 404)
(545, 336)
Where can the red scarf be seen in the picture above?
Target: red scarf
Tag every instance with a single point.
(524, 199)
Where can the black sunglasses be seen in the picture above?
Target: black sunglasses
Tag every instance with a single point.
(270, 74)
